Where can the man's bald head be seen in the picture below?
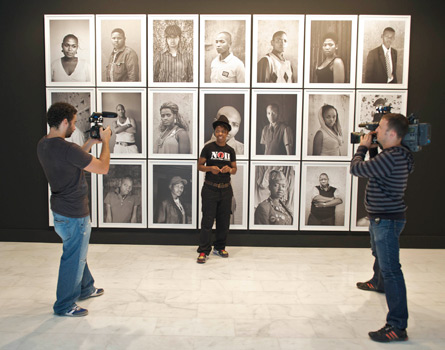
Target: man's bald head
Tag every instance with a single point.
(234, 118)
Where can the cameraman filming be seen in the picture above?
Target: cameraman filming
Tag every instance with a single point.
(388, 177)
(64, 163)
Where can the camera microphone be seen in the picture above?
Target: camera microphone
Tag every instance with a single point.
(109, 114)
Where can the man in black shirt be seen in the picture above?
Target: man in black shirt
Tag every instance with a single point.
(64, 163)
(218, 161)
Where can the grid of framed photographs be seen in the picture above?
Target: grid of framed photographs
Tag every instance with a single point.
(292, 86)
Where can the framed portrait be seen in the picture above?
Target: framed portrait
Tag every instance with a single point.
(173, 123)
(327, 123)
(84, 100)
(123, 194)
(383, 52)
(69, 50)
(129, 137)
(238, 219)
(274, 195)
(225, 50)
(359, 216)
(172, 187)
(278, 51)
(276, 124)
(330, 51)
(234, 104)
(325, 197)
(121, 50)
(173, 50)
(92, 199)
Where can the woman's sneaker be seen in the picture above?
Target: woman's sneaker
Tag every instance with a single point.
(222, 253)
(201, 258)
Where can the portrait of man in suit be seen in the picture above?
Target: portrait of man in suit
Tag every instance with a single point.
(381, 64)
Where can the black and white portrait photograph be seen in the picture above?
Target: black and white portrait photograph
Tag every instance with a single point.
(84, 100)
(276, 124)
(121, 50)
(383, 52)
(92, 199)
(330, 51)
(173, 50)
(234, 104)
(69, 50)
(371, 105)
(239, 181)
(173, 123)
(274, 195)
(325, 197)
(359, 216)
(278, 45)
(225, 50)
(123, 194)
(172, 188)
(129, 138)
(327, 124)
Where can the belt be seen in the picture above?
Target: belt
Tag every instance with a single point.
(125, 143)
(217, 184)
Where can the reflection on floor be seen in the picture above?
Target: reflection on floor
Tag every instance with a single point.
(158, 297)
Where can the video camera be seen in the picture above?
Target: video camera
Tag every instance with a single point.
(96, 122)
(419, 134)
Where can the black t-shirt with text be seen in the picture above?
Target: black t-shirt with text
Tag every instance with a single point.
(219, 156)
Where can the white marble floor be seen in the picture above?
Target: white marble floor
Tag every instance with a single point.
(158, 297)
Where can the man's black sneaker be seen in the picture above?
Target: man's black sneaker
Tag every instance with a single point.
(388, 333)
(368, 286)
(76, 311)
(97, 293)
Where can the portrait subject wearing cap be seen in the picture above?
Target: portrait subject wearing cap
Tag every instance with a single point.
(172, 210)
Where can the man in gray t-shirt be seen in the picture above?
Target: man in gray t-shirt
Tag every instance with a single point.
(64, 163)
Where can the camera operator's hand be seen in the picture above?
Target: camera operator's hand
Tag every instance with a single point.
(366, 140)
(105, 134)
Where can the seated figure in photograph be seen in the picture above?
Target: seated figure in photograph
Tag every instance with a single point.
(64, 164)
(121, 205)
(273, 210)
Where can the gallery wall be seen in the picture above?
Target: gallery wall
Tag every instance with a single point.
(24, 214)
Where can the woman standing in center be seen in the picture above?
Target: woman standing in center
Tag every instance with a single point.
(218, 161)
(173, 137)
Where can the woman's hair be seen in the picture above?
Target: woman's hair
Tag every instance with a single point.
(172, 31)
(118, 30)
(121, 106)
(330, 35)
(276, 175)
(70, 36)
(58, 112)
(336, 127)
(179, 119)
